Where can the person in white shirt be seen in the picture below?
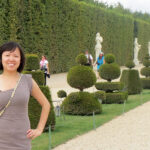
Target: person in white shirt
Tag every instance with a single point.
(89, 58)
(44, 67)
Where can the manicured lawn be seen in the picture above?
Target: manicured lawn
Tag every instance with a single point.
(68, 127)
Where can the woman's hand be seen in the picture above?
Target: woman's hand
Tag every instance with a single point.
(33, 133)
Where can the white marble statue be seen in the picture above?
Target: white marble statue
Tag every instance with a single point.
(149, 48)
(98, 46)
(136, 51)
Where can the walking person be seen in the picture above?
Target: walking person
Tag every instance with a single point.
(45, 67)
(89, 59)
(15, 131)
(100, 60)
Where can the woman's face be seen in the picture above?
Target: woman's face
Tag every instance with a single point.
(11, 60)
(43, 57)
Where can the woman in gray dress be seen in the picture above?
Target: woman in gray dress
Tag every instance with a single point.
(15, 131)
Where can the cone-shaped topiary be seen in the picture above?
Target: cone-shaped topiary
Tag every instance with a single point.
(109, 71)
(131, 81)
(145, 71)
(81, 59)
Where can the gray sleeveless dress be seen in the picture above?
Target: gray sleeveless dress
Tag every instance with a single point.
(14, 122)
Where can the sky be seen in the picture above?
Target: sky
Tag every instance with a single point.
(133, 5)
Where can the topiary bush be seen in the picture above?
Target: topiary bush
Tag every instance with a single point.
(34, 107)
(109, 71)
(35, 110)
(38, 76)
(146, 62)
(145, 71)
(109, 58)
(116, 97)
(81, 59)
(61, 94)
(81, 103)
(130, 64)
(32, 62)
(145, 83)
(81, 77)
(100, 95)
(131, 81)
(109, 86)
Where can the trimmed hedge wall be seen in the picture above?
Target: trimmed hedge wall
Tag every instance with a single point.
(143, 38)
(61, 29)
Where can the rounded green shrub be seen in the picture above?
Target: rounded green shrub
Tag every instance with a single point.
(109, 71)
(81, 59)
(145, 83)
(131, 81)
(81, 103)
(61, 94)
(38, 76)
(109, 86)
(145, 71)
(109, 58)
(118, 97)
(130, 64)
(81, 77)
(146, 63)
(35, 110)
(32, 62)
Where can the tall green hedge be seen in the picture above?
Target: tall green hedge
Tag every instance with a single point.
(143, 38)
(61, 29)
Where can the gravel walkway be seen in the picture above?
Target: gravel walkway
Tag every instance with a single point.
(130, 131)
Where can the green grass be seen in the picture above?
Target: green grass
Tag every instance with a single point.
(72, 126)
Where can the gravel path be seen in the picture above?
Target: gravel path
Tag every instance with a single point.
(130, 131)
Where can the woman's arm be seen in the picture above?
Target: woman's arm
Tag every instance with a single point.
(39, 96)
